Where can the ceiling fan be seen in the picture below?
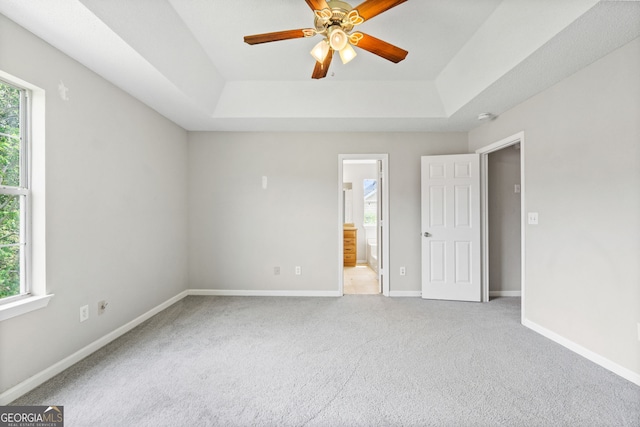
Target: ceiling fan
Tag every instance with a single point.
(335, 21)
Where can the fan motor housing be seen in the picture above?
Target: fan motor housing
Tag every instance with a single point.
(339, 10)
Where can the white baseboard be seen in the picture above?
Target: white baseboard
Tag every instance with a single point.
(586, 353)
(405, 293)
(505, 293)
(261, 293)
(30, 383)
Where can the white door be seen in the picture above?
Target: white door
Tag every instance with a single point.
(382, 262)
(451, 227)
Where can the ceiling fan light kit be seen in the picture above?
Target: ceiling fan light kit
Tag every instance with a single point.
(337, 38)
(347, 54)
(334, 21)
(320, 51)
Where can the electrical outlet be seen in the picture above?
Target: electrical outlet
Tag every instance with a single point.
(276, 271)
(102, 306)
(533, 218)
(638, 331)
(403, 271)
(298, 270)
(84, 313)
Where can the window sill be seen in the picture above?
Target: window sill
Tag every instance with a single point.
(23, 306)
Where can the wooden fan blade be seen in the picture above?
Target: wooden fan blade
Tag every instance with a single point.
(274, 37)
(317, 4)
(370, 8)
(321, 69)
(382, 48)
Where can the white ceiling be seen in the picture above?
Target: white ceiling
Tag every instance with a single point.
(187, 59)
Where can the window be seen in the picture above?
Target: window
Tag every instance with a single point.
(14, 193)
(370, 201)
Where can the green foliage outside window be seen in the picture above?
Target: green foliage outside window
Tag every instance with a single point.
(370, 213)
(9, 204)
(370, 201)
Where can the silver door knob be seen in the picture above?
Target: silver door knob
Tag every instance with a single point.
(426, 234)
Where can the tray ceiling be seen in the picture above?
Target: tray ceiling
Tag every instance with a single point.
(187, 59)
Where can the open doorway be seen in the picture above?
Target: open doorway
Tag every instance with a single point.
(503, 218)
(360, 227)
(363, 211)
(504, 191)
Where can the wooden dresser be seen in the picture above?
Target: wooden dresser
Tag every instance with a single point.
(350, 236)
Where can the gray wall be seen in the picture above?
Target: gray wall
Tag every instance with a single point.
(238, 232)
(504, 220)
(582, 175)
(116, 208)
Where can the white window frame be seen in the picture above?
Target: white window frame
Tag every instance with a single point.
(23, 191)
(32, 296)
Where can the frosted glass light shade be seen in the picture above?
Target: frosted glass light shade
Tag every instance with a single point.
(337, 38)
(320, 51)
(347, 53)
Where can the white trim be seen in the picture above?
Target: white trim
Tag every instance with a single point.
(503, 143)
(587, 354)
(484, 152)
(340, 225)
(484, 224)
(261, 293)
(384, 158)
(23, 189)
(23, 306)
(13, 191)
(401, 294)
(30, 383)
(505, 293)
(33, 132)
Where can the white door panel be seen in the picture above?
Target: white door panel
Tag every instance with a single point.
(451, 227)
(380, 217)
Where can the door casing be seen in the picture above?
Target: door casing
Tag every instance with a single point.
(484, 152)
(384, 221)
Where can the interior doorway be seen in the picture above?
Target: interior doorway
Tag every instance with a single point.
(504, 191)
(503, 218)
(363, 219)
